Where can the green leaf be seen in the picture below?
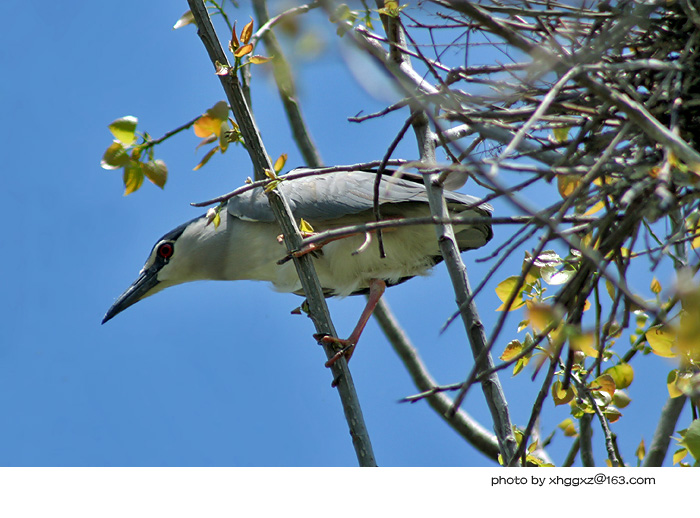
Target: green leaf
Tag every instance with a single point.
(641, 450)
(621, 399)
(679, 455)
(224, 133)
(561, 134)
(257, 59)
(272, 185)
(124, 130)
(567, 426)
(672, 384)
(691, 439)
(115, 156)
(133, 177)
(610, 288)
(612, 414)
(157, 172)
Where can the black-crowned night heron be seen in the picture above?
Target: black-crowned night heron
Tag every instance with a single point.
(246, 246)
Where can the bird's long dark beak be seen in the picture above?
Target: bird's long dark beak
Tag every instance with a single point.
(137, 291)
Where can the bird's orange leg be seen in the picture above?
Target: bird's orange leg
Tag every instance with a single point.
(376, 290)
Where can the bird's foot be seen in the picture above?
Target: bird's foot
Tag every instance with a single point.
(308, 249)
(347, 347)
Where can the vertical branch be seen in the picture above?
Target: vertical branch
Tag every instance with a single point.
(450, 252)
(318, 310)
(664, 430)
(673, 407)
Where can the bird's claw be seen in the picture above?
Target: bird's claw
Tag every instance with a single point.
(347, 347)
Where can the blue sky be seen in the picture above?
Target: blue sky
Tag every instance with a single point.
(206, 374)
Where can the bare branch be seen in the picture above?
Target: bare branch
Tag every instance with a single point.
(318, 309)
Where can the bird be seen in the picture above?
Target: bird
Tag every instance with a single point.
(246, 243)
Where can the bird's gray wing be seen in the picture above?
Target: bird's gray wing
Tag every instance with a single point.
(334, 195)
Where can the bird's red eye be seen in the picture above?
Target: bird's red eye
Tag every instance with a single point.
(165, 250)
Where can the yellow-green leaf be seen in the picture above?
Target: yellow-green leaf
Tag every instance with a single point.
(691, 439)
(641, 451)
(271, 186)
(520, 365)
(612, 414)
(133, 177)
(124, 130)
(655, 286)
(279, 163)
(541, 316)
(662, 340)
(224, 133)
(156, 171)
(610, 289)
(561, 134)
(672, 384)
(257, 59)
(206, 158)
(568, 427)
(506, 288)
(679, 455)
(688, 340)
(115, 156)
(391, 8)
(622, 374)
(513, 349)
(584, 342)
(621, 399)
(305, 227)
(560, 395)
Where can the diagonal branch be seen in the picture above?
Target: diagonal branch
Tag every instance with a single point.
(285, 85)
(460, 421)
(399, 64)
(318, 310)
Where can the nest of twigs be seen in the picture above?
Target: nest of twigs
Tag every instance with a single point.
(600, 98)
